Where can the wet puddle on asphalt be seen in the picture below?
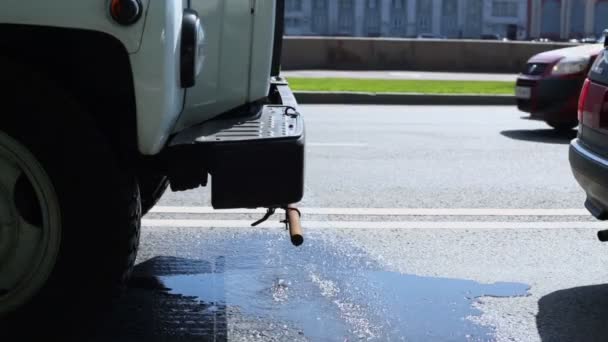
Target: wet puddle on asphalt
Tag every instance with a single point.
(325, 291)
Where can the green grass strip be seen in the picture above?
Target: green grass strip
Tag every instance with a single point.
(402, 86)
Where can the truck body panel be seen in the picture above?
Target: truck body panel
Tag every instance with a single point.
(262, 49)
(239, 37)
(238, 53)
(156, 74)
(91, 15)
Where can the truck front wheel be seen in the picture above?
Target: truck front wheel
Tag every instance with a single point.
(69, 212)
(152, 188)
(30, 225)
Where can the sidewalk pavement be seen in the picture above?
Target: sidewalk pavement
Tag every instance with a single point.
(400, 75)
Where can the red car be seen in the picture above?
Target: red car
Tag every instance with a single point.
(550, 85)
(589, 151)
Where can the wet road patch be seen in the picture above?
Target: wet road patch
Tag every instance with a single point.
(256, 287)
(434, 309)
(325, 291)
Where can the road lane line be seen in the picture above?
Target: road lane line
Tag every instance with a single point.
(385, 211)
(336, 145)
(179, 223)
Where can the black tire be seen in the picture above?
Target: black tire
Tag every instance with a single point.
(99, 200)
(563, 126)
(152, 188)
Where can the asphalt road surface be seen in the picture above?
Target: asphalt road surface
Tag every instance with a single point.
(422, 224)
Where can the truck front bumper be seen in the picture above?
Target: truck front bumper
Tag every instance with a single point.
(255, 155)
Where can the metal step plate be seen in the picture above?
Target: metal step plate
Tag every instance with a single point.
(273, 122)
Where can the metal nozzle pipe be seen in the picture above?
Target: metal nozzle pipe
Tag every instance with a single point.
(295, 226)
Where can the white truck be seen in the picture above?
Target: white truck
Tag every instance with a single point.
(105, 103)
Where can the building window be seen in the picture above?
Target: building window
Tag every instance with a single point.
(293, 5)
(346, 4)
(424, 16)
(319, 17)
(372, 18)
(346, 16)
(449, 18)
(319, 5)
(292, 22)
(398, 18)
(293, 26)
(473, 16)
(507, 9)
(600, 14)
(550, 21)
(577, 18)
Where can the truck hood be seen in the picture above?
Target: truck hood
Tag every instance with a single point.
(553, 56)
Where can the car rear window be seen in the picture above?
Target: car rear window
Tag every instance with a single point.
(599, 70)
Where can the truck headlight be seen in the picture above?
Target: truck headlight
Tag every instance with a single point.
(571, 65)
(193, 40)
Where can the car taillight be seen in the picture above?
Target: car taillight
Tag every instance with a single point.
(583, 99)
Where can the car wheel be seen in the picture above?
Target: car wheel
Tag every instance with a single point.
(563, 126)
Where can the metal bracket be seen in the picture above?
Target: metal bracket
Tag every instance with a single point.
(292, 223)
(268, 214)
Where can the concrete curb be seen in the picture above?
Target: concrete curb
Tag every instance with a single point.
(308, 97)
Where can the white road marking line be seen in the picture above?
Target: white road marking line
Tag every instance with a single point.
(405, 74)
(384, 211)
(336, 144)
(476, 225)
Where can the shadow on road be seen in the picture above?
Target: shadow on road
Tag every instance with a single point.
(577, 314)
(549, 136)
(148, 312)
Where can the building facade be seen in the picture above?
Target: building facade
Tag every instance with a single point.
(562, 19)
(406, 18)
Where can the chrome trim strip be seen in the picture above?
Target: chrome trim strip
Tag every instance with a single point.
(576, 144)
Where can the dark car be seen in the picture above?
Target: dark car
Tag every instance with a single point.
(549, 86)
(589, 151)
